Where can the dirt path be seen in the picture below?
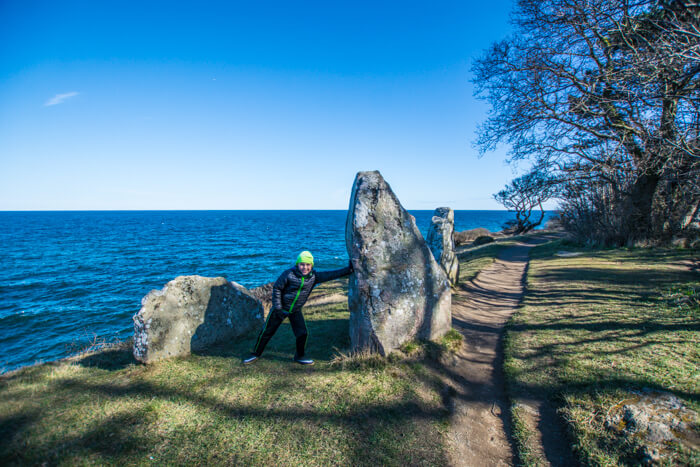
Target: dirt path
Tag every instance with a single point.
(479, 434)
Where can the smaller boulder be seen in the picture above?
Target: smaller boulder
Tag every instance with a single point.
(652, 419)
(192, 313)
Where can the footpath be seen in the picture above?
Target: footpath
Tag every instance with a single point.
(480, 428)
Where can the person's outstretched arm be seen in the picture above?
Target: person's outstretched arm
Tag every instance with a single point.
(325, 276)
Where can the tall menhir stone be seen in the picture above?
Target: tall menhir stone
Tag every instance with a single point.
(441, 241)
(398, 291)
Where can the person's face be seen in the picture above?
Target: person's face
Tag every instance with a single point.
(304, 268)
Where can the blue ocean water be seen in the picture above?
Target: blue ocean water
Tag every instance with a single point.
(66, 277)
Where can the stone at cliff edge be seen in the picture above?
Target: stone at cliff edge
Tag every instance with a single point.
(442, 243)
(191, 313)
(398, 291)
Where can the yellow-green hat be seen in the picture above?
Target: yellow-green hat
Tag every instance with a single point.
(305, 257)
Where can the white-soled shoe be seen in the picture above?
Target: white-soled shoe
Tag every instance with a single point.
(304, 361)
(249, 360)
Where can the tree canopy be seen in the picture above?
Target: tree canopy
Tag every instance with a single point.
(604, 95)
(523, 195)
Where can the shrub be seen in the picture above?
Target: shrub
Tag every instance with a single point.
(483, 240)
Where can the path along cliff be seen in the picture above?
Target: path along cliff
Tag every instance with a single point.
(479, 433)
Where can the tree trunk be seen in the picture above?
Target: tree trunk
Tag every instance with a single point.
(639, 216)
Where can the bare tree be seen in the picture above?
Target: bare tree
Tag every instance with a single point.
(605, 92)
(523, 195)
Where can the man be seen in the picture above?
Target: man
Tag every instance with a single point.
(289, 294)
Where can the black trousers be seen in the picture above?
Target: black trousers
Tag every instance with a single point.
(274, 319)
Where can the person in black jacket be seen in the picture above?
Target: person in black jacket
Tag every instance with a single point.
(289, 294)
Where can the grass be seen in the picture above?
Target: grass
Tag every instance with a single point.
(104, 408)
(597, 326)
(523, 438)
(473, 260)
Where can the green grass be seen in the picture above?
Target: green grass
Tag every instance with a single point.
(523, 438)
(473, 260)
(594, 327)
(106, 409)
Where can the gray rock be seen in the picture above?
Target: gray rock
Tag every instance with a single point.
(398, 291)
(441, 242)
(637, 420)
(653, 419)
(191, 313)
(659, 432)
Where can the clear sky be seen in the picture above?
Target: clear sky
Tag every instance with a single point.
(242, 105)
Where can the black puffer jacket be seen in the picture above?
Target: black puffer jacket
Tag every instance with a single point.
(286, 293)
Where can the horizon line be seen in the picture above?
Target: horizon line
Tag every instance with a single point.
(222, 210)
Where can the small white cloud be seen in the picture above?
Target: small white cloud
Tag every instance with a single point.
(60, 98)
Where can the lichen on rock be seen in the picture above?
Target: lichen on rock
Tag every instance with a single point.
(652, 419)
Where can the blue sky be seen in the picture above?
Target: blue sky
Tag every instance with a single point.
(242, 105)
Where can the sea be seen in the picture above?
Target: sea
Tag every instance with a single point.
(69, 279)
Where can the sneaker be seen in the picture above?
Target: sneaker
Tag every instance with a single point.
(250, 359)
(304, 361)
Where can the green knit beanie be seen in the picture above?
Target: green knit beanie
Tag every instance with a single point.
(305, 257)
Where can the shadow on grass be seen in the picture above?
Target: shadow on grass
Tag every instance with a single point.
(642, 328)
(324, 336)
(621, 337)
(115, 435)
(368, 422)
(553, 393)
(12, 429)
(618, 276)
(591, 296)
(110, 359)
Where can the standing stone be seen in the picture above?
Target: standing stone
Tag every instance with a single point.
(442, 243)
(398, 292)
(191, 313)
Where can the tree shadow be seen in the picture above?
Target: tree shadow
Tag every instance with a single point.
(370, 423)
(642, 328)
(115, 435)
(324, 336)
(12, 428)
(618, 276)
(109, 359)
